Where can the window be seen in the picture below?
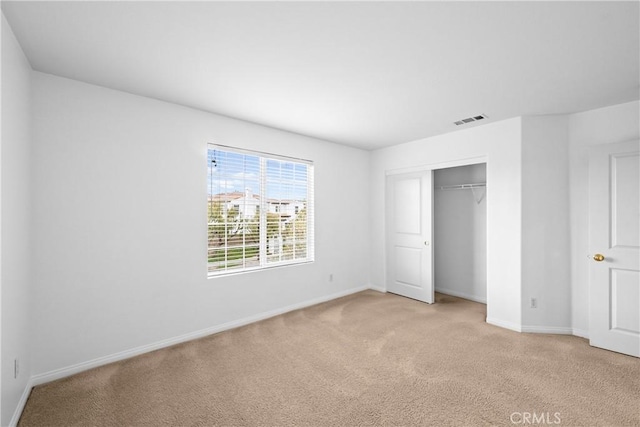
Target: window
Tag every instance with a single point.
(245, 231)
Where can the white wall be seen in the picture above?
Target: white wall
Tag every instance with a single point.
(460, 233)
(120, 225)
(617, 123)
(499, 144)
(545, 224)
(16, 261)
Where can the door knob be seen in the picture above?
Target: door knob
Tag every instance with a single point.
(598, 257)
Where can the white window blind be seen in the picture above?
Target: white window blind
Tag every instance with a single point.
(260, 210)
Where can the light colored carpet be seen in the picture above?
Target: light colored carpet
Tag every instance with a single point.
(366, 359)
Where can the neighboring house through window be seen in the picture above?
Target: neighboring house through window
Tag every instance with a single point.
(260, 210)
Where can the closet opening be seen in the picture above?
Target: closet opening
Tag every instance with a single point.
(460, 231)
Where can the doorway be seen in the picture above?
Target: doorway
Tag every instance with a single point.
(460, 232)
(410, 245)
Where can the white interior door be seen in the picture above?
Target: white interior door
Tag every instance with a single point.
(614, 244)
(409, 225)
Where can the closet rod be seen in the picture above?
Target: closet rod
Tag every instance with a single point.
(463, 186)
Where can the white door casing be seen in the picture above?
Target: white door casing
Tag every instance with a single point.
(409, 223)
(614, 232)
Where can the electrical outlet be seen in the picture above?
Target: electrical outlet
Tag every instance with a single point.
(331, 277)
(534, 303)
(16, 367)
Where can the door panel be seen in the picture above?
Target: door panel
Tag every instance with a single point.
(625, 200)
(614, 232)
(625, 293)
(409, 222)
(408, 266)
(407, 206)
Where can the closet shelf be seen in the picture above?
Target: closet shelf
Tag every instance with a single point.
(463, 186)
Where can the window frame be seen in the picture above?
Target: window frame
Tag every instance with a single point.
(262, 210)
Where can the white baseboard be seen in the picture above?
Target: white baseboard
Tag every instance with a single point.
(504, 324)
(580, 333)
(377, 288)
(21, 403)
(83, 366)
(461, 295)
(558, 330)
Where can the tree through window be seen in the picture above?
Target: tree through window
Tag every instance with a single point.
(260, 210)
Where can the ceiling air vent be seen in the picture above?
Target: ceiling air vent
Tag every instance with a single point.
(470, 119)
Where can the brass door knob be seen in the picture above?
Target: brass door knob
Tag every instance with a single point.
(598, 257)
